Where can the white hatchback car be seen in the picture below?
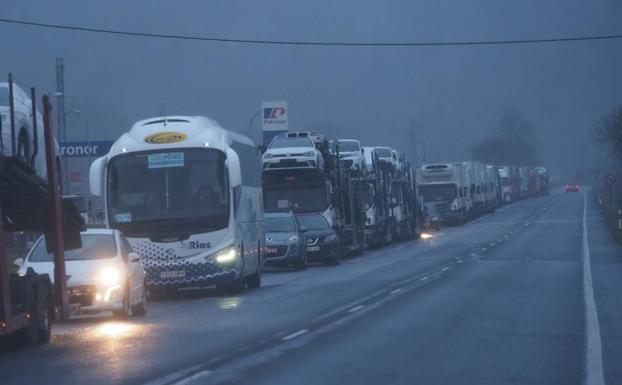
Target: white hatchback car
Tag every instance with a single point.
(293, 150)
(351, 154)
(103, 275)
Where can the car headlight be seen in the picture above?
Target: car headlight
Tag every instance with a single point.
(268, 155)
(293, 239)
(308, 153)
(109, 276)
(330, 238)
(226, 255)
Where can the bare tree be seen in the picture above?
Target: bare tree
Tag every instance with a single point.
(609, 132)
(513, 141)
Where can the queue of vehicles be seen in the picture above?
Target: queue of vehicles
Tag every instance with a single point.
(184, 203)
(460, 191)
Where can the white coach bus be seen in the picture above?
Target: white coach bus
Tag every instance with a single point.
(187, 195)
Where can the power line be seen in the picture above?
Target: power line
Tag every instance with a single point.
(310, 43)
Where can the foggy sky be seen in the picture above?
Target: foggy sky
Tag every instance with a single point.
(454, 94)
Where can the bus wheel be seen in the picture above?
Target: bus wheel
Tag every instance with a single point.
(254, 280)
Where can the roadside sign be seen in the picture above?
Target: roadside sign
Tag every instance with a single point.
(274, 119)
(84, 149)
(610, 179)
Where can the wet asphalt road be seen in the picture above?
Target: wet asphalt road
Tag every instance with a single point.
(498, 301)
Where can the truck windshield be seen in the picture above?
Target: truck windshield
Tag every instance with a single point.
(174, 187)
(349, 146)
(307, 200)
(94, 246)
(280, 225)
(291, 142)
(437, 192)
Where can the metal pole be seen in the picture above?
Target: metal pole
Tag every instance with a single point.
(619, 220)
(250, 124)
(35, 133)
(56, 225)
(12, 115)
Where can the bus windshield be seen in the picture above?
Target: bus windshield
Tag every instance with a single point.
(307, 200)
(433, 192)
(175, 187)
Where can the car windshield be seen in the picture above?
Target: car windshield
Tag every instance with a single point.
(280, 224)
(383, 152)
(177, 186)
(94, 246)
(291, 142)
(349, 146)
(313, 222)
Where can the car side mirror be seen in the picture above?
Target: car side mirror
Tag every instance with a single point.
(133, 257)
(19, 262)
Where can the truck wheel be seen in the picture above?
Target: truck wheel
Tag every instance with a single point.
(45, 314)
(141, 308)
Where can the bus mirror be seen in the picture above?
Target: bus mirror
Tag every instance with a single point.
(96, 176)
(233, 166)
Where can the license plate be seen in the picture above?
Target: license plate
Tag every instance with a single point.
(313, 248)
(173, 274)
(271, 250)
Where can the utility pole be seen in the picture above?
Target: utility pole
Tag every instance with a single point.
(60, 113)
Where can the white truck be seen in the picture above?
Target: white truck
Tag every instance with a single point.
(505, 177)
(446, 186)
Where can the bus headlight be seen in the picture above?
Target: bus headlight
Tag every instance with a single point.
(226, 255)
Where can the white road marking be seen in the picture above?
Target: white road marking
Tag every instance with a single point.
(594, 374)
(460, 260)
(294, 335)
(484, 249)
(445, 268)
(492, 244)
(423, 278)
(195, 377)
(356, 308)
(395, 291)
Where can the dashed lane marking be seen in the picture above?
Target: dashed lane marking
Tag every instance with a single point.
(356, 308)
(296, 334)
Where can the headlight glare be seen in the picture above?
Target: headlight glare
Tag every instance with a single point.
(227, 255)
(110, 276)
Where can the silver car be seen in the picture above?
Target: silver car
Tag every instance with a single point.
(284, 244)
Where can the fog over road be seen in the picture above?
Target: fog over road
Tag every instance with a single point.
(497, 301)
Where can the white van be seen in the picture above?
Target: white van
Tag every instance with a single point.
(187, 195)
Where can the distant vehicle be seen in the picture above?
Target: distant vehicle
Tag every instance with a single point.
(293, 150)
(103, 275)
(321, 240)
(431, 217)
(572, 187)
(544, 180)
(351, 154)
(448, 186)
(505, 176)
(284, 243)
(30, 143)
(388, 155)
(187, 195)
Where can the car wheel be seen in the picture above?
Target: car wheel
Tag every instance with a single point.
(140, 309)
(336, 259)
(301, 264)
(124, 312)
